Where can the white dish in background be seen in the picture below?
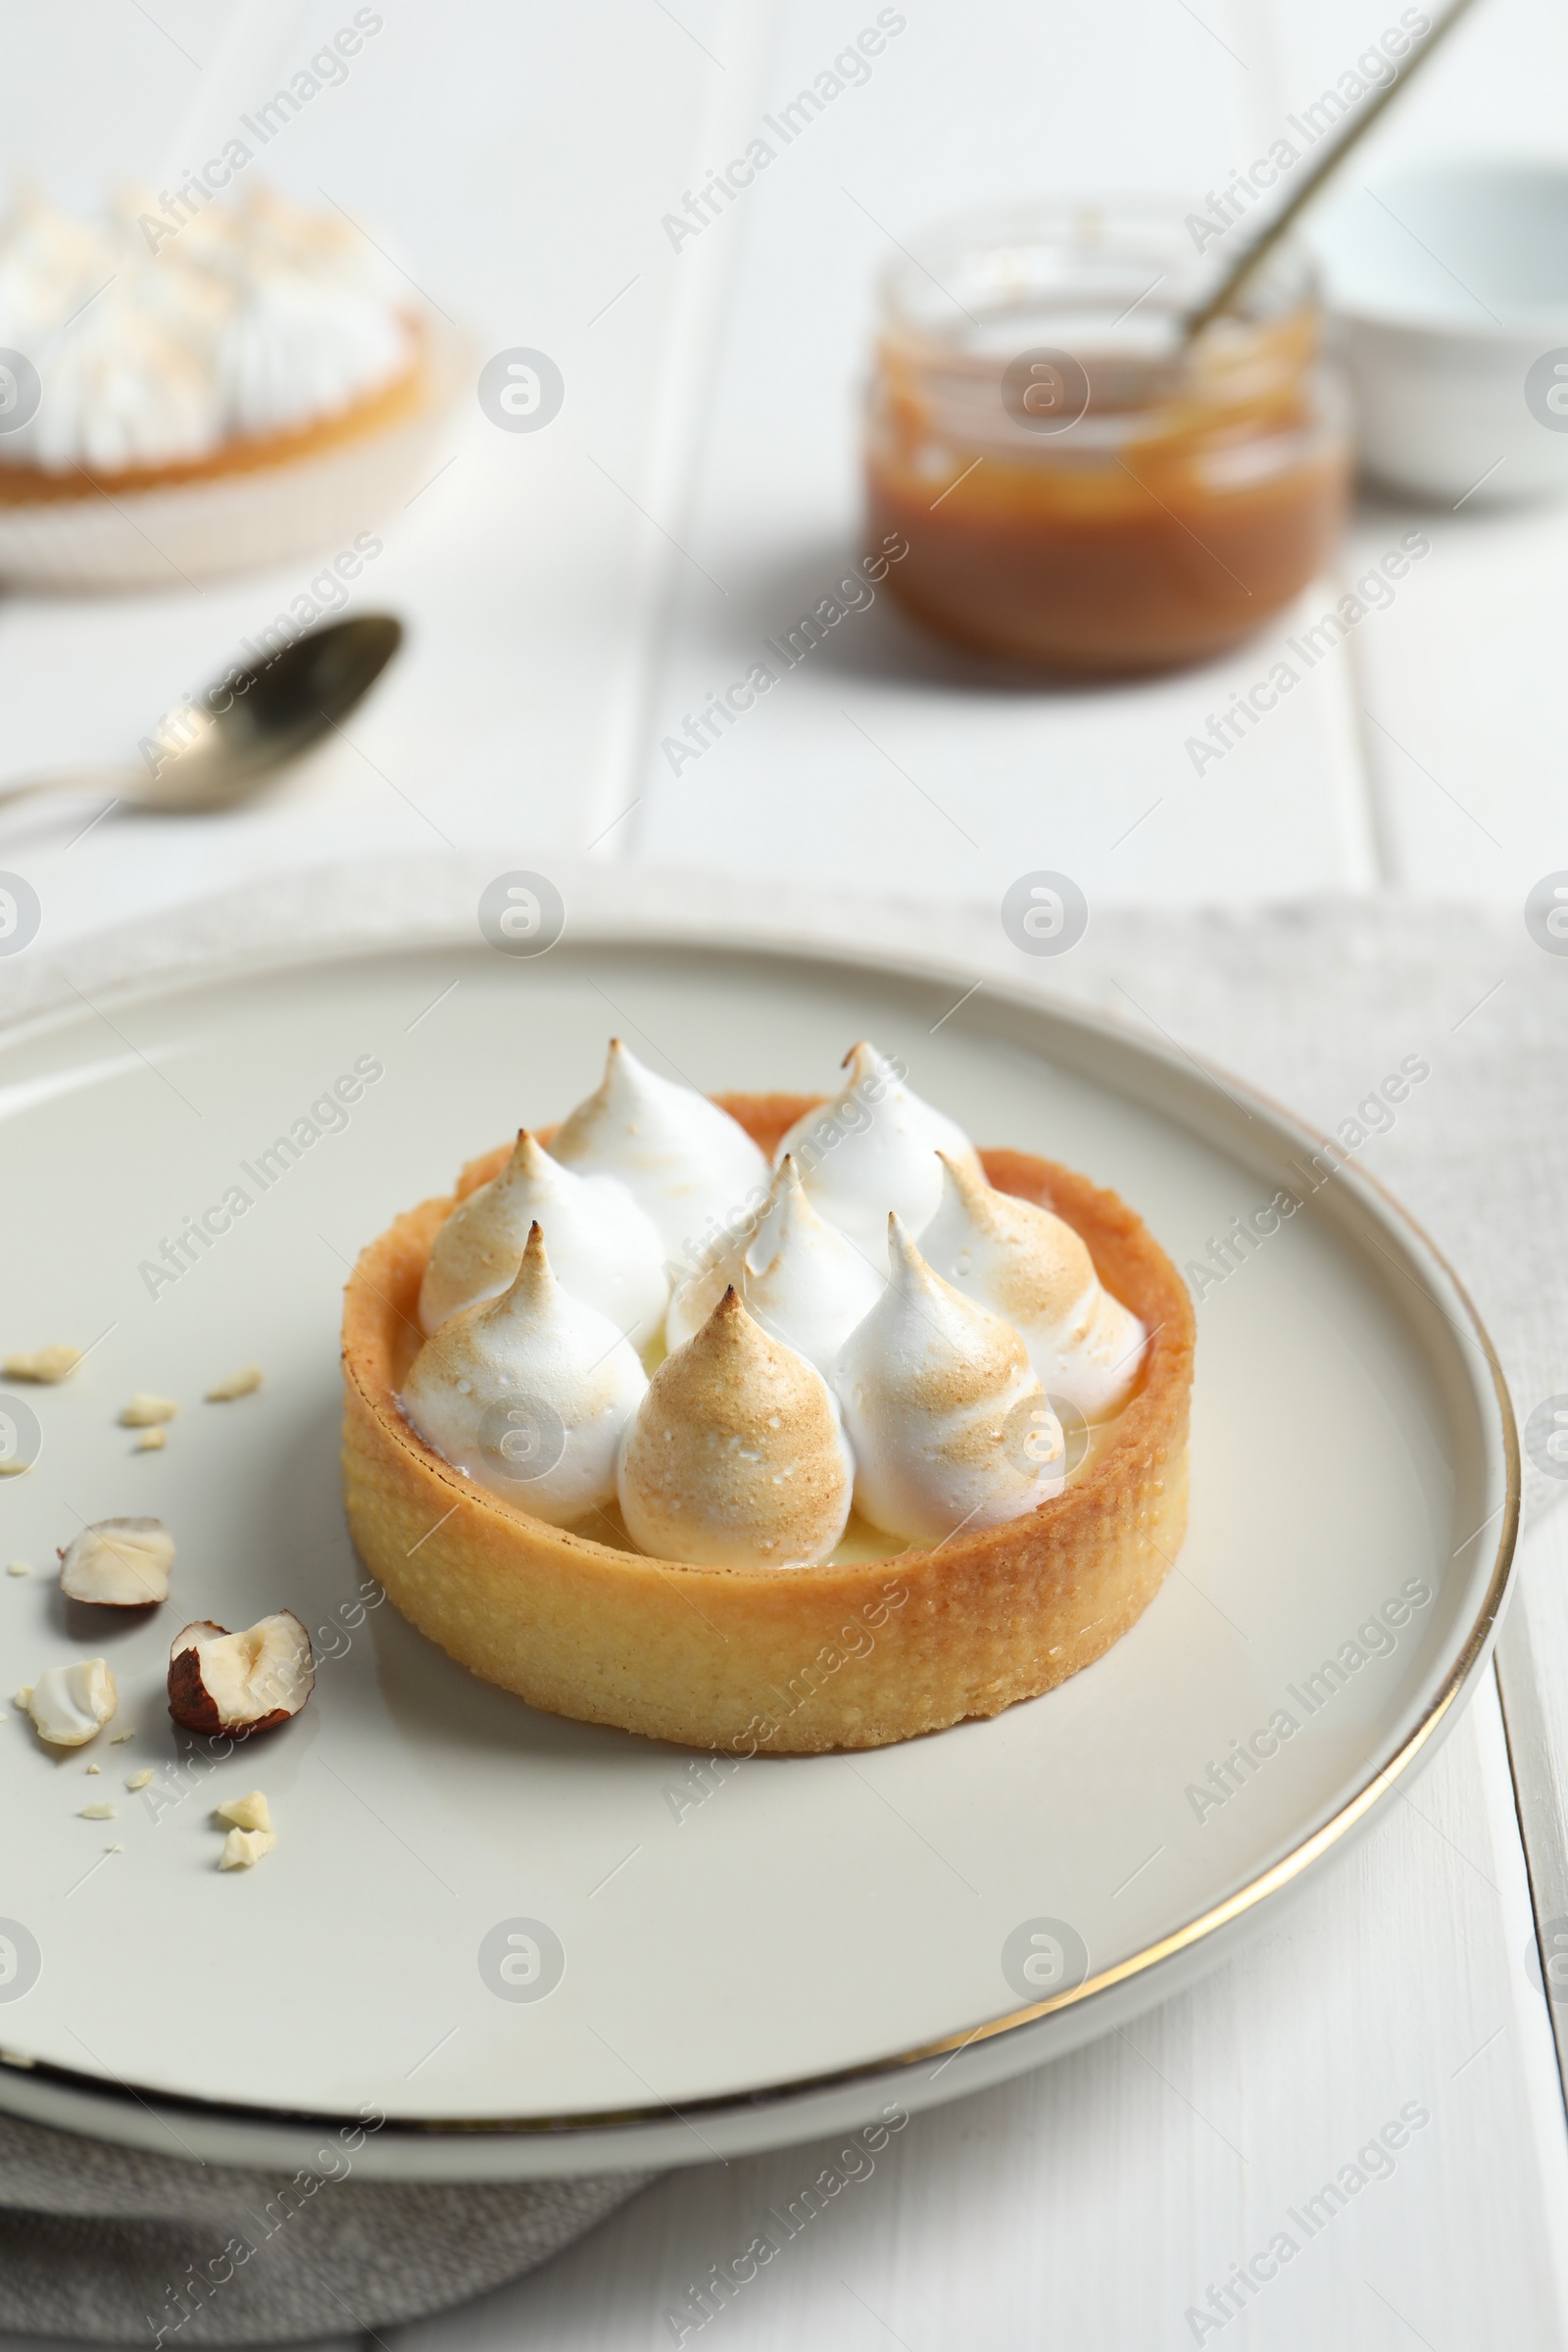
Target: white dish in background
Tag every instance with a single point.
(806, 1943)
(1448, 285)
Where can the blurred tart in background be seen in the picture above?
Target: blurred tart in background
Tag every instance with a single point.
(178, 401)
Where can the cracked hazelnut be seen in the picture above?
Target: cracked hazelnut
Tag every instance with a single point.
(71, 1704)
(118, 1564)
(237, 1684)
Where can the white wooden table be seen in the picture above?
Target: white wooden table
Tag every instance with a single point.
(571, 594)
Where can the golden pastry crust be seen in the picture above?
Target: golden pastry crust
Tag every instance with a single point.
(391, 404)
(784, 1662)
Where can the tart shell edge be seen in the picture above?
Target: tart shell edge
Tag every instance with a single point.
(782, 1663)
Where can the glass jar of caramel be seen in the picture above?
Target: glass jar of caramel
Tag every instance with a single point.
(1077, 491)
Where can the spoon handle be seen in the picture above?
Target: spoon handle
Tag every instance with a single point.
(69, 779)
(1356, 127)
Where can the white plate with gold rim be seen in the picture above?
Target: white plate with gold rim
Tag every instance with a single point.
(535, 1947)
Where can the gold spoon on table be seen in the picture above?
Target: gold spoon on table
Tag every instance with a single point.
(217, 751)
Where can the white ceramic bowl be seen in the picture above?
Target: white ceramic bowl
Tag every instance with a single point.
(1447, 286)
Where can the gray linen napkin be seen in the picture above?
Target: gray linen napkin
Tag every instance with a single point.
(1317, 1003)
(100, 2243)
(1314, 1003)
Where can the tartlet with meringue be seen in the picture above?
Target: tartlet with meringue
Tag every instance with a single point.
(765, 1424)
(206, 389)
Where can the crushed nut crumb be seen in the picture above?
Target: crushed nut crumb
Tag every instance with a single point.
(119, 1738)
(145, 1411)
(139, 1780)
(45, 1365)
(246, 1812)
(151, 1441)
(97, 1813)
(19, 1567)
(95, 1768)
(238, 1384)
(243, 1847)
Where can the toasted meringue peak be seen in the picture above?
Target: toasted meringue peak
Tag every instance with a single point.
(528, 1394)
(1032, 1270)
(797, 1276)
(871, 1150)
(601, 1246)
(737, 1457)
(688, 1163)
(949, 1425)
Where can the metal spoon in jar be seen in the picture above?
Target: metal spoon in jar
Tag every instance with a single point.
(217, 751)
(1257, 252)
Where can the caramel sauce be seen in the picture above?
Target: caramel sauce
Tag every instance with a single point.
(1169, 523)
